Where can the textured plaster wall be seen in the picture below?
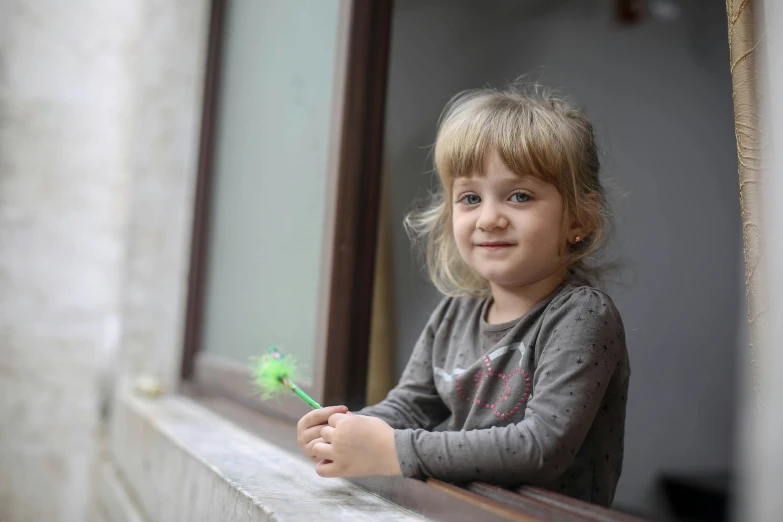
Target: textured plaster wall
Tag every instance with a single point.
(99, 123)
(66, 120)
(170, 80)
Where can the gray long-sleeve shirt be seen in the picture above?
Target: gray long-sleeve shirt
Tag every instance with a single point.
(540, 400)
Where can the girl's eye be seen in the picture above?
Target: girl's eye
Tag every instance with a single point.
(471, 199)
(520, 197)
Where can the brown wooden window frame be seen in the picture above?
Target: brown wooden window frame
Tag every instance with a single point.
(225, 387)
(347, 328)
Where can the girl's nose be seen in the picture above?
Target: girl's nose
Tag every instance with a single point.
(491, 218)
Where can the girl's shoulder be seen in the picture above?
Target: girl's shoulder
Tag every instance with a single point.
(577, 301)
(586, 317)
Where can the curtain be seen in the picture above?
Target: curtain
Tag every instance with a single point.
(745, 45)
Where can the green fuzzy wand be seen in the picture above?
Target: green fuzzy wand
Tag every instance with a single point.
(272, 374)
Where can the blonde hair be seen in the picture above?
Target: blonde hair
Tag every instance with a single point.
(534, 132)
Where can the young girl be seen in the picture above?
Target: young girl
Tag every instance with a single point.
(521, 374)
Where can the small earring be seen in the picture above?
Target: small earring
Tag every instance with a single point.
(577, 239)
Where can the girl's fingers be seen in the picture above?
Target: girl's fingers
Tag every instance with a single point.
(308, 449)
(323, 450)
(309, 434)
(336, 418)
(327, 433)
(319, 416)
(327, 468)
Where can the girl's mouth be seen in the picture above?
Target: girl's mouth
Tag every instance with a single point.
(494, 245)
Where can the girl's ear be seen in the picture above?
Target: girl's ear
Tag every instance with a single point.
(582, 225)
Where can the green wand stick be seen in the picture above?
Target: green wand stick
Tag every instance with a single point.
(301, 393)
(273, 374)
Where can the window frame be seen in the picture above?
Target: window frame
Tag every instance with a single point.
(350, 244)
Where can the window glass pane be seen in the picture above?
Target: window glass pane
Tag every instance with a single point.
(269, 184)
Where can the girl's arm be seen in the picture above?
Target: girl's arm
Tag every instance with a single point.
(584, 347)
(415, 403)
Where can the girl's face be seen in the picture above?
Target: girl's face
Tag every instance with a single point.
(509, 229)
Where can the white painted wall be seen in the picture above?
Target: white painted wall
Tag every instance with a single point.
(66, 118)
(660, 96)
(99, 127)
(762, 446)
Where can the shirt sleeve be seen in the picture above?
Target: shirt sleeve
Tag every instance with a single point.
(583, 342)
(415, 403)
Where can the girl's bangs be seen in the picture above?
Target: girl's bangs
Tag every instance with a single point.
(526, 140)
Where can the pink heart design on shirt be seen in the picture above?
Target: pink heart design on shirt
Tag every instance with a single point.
(504, 395)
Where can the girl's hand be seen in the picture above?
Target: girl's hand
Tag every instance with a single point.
(356, 446)
(308, 429)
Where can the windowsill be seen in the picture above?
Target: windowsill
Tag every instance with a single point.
(433, 500)
(187, 463)
(194, 456)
